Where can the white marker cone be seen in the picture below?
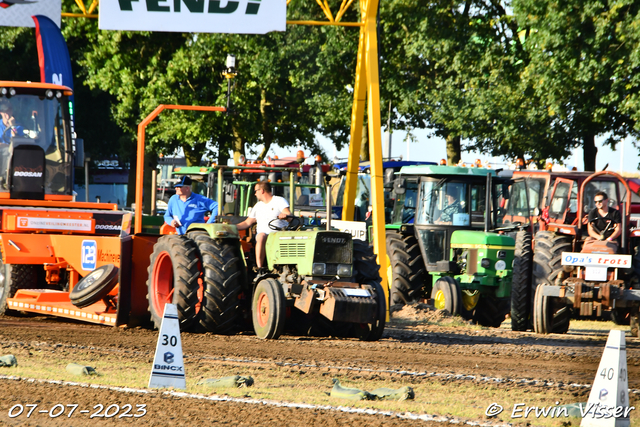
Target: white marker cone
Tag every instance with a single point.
(168, 366)
(608, 403)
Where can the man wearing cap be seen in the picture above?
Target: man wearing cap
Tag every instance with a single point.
(187, 207)
(8, 124)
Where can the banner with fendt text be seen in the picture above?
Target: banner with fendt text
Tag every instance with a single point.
(194, 16)
(18, 13)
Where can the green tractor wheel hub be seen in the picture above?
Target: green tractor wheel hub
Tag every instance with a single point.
(470, 299)
(440, 300)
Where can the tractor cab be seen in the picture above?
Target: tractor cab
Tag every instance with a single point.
(37, 142)
(445, 203)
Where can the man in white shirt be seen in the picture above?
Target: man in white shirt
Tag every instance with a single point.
(268, 208)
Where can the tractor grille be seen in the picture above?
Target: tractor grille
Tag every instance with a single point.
(292, 250)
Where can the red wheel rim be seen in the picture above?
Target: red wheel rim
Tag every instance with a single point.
(162, 282)
(263, 309)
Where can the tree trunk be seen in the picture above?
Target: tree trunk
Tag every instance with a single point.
(223, 155)
(237, 146)
(453, 149)
(193, 154)
(590, 152)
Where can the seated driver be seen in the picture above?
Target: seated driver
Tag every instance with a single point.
(268, 208)
(8, 125)
(604, 222)
(453, 207)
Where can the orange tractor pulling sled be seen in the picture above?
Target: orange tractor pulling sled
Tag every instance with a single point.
(82, 260)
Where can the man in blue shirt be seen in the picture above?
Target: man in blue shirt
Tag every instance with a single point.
(8, 125)
(187, 207)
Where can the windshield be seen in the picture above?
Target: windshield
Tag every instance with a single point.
(31, 119)
(443, 202)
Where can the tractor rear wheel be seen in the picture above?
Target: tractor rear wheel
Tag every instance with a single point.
(406, 267)
(14, 277)
(521, 282)
(446, 295)
(547, 259)
(94, 286)
(551, 315)
(268, 309)
(221, 267)
(373, 331)
(173, 278)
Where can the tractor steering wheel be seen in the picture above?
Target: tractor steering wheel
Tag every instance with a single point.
(293, 225)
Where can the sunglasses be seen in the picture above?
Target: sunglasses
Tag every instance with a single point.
(600, 201)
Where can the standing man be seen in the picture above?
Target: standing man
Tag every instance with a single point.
(604, 222)
(268, 208)
(186, 207)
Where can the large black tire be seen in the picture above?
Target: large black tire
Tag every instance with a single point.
(446, 295)
(373, 331)
(521, 282)
(268, 309)
(94, 286)
(13, 278)
(491, 311)
(221, 268)
(173, 278)
(551, 315)
(547, 259)
(365, 267)
(406, 267)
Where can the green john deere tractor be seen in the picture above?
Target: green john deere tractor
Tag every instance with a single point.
(444, 245)
(318, 281)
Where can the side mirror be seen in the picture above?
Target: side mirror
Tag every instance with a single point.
(399, 186)
(78, 155)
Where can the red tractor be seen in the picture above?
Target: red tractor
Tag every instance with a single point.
(565, 279)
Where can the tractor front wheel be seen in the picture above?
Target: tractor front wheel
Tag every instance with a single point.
(551, 315)
(173, 278)
(268, 309)
(491, 311)
(373, 331)
(446, 295)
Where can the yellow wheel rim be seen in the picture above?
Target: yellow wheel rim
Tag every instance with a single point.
(439, 301)
(470, 299)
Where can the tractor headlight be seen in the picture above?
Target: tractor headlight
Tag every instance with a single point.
(319, 268)
(344, 270)
(485, 263)
(500, 265)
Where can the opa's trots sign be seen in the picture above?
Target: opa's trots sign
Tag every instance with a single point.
(194, 16)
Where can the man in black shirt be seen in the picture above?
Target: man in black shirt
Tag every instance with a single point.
(604, 222)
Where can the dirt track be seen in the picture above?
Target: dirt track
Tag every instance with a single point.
(424, 352)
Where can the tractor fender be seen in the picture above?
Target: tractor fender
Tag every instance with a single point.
(217, 231)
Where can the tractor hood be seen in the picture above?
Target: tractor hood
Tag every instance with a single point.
(467, 238)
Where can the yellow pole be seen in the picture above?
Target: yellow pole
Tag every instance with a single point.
(366, 92)
(375, 141)
(357, 119)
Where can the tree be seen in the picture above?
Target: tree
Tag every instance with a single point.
(580, 66)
